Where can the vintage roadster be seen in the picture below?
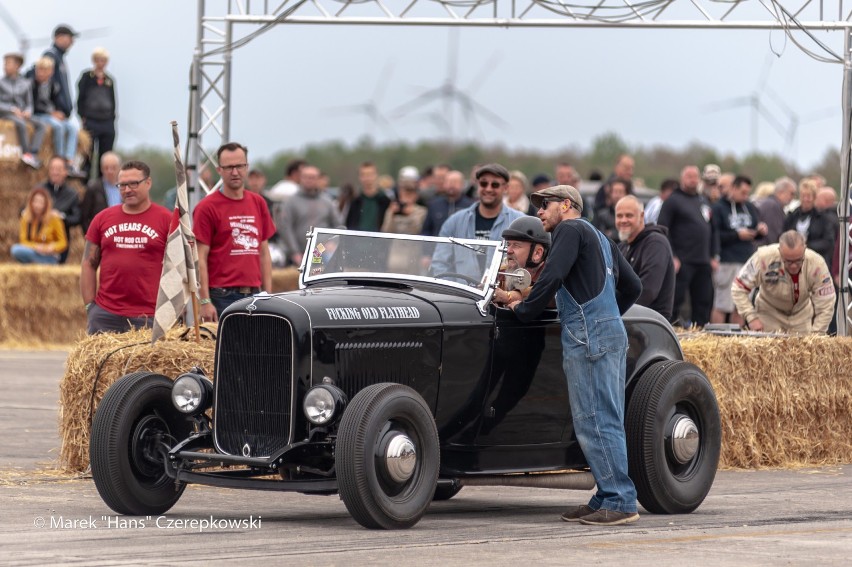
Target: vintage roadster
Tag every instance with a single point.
(395, 385)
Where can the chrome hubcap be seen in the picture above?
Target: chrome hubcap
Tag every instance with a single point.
(400, 458)
(685, 439)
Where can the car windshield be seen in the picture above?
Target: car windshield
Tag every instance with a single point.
(466, 264)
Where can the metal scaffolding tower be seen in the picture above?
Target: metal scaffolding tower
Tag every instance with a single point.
(226, 25)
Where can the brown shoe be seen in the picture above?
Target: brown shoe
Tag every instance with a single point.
(575, 514)
(604, 517)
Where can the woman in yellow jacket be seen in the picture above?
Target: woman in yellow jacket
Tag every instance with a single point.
(43, 236)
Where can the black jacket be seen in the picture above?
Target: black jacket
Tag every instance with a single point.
(96, 101)
(650, 256)
(688, 219)
(353, 218)
(728, 218)
(94, 201)
(821, 232)
(65, 200)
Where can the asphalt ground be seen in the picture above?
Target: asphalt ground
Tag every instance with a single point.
(778, 517)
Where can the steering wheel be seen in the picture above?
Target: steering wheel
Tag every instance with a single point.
(467, 279)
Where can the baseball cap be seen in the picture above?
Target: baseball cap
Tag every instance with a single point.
(559, 191)
(64, 29)
(409, 173)
(539, 179)
(711, 171)
(16, 56)
(493, 169)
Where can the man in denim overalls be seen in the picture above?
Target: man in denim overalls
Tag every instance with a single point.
(594, 285)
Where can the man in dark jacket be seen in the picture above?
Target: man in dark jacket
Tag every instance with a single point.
(648, 252)
(96, 106)
(686, 214)
(64, 197)
(735, 227)
(367, 210)
(101, 192)
(63, 39)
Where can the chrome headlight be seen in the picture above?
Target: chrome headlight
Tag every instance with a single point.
(323, 404)
(192, 394)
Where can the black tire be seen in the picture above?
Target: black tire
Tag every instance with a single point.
(127, 466)
(375, 416)
(446, 491)
(668, 392)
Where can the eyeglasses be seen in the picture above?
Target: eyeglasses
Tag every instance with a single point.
(796, 262)
(494, 184)
(130, 184)
(235, 167)
(546, 202)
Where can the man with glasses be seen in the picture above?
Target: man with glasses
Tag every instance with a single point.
(126, 242)
(594, 285)
(232, 228)
(484, 220)
(794, 289)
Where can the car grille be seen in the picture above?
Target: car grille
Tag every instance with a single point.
(361, 364)
(253, 384)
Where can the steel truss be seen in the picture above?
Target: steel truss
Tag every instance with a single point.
(226, 25)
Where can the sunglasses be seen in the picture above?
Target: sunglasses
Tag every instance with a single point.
(494, 184)
(546, 202)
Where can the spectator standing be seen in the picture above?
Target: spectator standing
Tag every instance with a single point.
(710, 183)
(623, 169)
(604, 219)
(65, 198)
(101, 192)
(594, 285)
(686, 215)
(815, 225)
(288, 186)
(96, 105)
(405, 216)
(307, 208)
(735, 226)
(63, 39)
(367, 210)
(652, 210)
(42, 233)
(126, 244)
(771, 209)
(444, 206)
(45, 110)
(16, 104)
(232, 228)
(646, 248)
(793, 289)
(516, 193)
(484, 220)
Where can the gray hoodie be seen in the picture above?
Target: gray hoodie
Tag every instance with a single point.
(15, 92)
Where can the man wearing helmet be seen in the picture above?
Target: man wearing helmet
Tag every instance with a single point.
(527, 246)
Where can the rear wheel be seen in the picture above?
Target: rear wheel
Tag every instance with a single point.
(134, 423)
(387, 457)
(674, 437)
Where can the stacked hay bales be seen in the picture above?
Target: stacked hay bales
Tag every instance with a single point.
(40, 306)
(784, 401)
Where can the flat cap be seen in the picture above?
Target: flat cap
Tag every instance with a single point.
(561, 192)
(493, 169)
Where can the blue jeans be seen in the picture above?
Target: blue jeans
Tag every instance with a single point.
(64, 135)
(27, 255)
(222, 298)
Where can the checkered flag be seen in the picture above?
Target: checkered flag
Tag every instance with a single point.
(178, 281)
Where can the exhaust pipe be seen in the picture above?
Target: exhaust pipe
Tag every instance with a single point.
(562, 481)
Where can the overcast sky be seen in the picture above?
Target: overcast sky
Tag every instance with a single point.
(554, 88)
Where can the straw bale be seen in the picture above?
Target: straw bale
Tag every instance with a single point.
(785, 401)
(98, 361)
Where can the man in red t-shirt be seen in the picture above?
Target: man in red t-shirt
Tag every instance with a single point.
(126, 242)
(232, 229)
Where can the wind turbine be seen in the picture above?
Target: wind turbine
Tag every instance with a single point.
(795, 121)
(376, 119)
(25, 43)
(452, 97)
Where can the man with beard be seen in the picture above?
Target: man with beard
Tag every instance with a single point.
(647, 249)
(527, 244)
(594, 285)
(484, 220)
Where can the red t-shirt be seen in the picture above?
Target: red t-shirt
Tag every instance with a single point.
(233, 229)
(132, 249)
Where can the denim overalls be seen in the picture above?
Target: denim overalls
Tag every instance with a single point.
(594, 358)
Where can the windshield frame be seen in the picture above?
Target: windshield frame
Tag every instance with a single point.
(488, 281)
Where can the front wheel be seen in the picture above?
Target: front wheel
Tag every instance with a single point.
(674, 437)
(134, 423)
(387, 457)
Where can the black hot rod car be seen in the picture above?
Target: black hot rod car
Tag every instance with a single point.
(393, 386)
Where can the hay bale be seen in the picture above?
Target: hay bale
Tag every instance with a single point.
(98, 361)
(785, 401)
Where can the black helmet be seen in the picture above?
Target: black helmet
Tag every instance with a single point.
(528, 229)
